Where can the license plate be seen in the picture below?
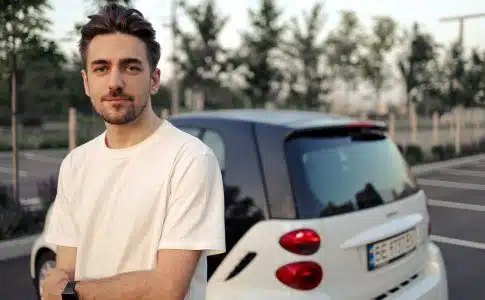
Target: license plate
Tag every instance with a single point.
(391, 249)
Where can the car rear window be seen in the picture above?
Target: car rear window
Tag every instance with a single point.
(344, 171)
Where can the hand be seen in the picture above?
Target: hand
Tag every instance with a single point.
(54, 284)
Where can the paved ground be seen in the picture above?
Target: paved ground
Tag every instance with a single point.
(457, 208)
(15, 282)
(33, 166)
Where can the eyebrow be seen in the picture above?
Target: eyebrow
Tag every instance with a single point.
(128, 60)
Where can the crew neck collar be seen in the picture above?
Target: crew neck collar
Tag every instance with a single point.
(129, 151)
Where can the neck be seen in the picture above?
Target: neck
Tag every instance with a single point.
(127, 135)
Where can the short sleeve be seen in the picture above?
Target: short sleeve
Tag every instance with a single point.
(61, 228)
(195, 210)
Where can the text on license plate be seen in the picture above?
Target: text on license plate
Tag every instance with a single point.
(386, 251)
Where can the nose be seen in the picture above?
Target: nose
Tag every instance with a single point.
(116, 80)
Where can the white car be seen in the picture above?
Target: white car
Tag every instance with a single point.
(317, 207)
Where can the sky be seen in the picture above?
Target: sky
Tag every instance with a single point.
(426, 12)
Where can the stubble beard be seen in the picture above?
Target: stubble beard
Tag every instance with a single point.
(122, 114)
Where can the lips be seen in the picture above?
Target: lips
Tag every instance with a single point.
(116, 99)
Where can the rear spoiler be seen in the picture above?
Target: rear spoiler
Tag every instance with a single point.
(373, 126)
(368, 124)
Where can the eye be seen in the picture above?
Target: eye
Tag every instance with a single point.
(100, 69)
(133, 69)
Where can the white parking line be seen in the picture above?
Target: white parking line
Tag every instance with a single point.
(451, 184)
(459, 172)
(42, 158)
(9, 171)
(457, 205)
(457, 242)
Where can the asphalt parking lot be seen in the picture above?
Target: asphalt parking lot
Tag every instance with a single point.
(33, 167)
(456, 205)
(457, 209)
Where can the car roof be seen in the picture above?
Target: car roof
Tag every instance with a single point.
(287, 118)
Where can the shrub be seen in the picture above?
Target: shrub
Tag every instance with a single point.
(5, 119)
(53, 143)
(469, 149)
(414, 154)
(16, 220)
(449, 151)
(4, 146)
(47, 190)
(32, 121)
(438, 152)
(10, 212)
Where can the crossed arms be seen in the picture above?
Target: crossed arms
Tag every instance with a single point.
(195, 216)
(168, 281)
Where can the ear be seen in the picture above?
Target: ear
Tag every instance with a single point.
(155, 81)
(85, 82)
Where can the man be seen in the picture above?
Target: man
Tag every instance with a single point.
(140, 207)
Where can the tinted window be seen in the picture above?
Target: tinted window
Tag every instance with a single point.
(339, 174)
(216, 143)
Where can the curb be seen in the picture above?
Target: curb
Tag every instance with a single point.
(429, 167)
(19, 247)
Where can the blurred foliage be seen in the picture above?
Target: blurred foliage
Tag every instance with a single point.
(415, 66)
(374, 67)
(344, 49)
(283, 61)
(261, 55)
(280, 61)
(16, 220)
(203, 62)
(307, 76)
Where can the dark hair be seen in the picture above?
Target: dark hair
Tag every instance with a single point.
(117, 18)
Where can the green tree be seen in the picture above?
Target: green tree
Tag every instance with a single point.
(22, 32)
(24, 25)
(374, 65)
(309, 82)
(201, 58)
(475, 79)
(344, 49)
(23, 44)
(41, 85)
(465, 78)
(454, 68)
(415, 65)
(260, 52)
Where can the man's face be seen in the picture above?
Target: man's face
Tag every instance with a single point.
(118, 78)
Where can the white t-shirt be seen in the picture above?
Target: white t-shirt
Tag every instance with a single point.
(119, 206)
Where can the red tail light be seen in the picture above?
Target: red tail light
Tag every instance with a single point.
(300, 275)
(301, 241)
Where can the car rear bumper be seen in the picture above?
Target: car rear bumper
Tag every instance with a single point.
(431, 284)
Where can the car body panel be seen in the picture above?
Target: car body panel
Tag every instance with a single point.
(431, 285)
(40, 245)
(260, 208)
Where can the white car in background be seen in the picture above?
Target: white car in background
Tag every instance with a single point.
(317, 208)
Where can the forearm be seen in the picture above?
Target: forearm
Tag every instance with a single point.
(126, 286)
